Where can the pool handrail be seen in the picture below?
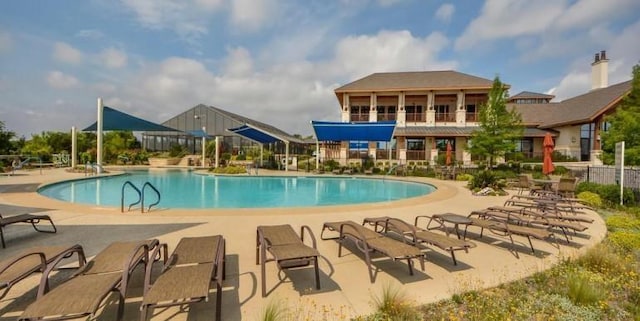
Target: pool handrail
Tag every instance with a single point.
(157, 193)
(134, 203)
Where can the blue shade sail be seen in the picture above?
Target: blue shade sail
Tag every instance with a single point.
(117, 120)
(336, 131)
(256, 135)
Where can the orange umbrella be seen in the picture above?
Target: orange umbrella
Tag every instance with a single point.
(448, 160)
(547, 148)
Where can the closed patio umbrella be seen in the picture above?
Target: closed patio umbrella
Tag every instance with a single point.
(547, 147)
(448, 159)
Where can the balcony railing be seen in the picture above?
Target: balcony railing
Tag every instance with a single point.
(382, 117)
(416, 155)
(359, 154)
(445, 117)
(416, 117)
(384, 154)
(364, 118)
(472, 117)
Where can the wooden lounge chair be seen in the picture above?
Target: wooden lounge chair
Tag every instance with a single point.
(32, 260)
(368, 241)
(287, 250)
(83, 293)
(187, 275)
(419, 235)
(25, 218)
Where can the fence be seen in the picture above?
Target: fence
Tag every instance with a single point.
(607, 175)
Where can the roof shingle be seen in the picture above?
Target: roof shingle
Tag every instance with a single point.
(417, 80)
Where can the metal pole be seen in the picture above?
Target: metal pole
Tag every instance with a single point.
(74, 148)
(217, 152)
(99, 134)
(204, 145)
(286, 162)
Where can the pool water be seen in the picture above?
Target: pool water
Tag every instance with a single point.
(184, 189)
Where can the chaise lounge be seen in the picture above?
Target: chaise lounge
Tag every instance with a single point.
(25, 218)
(419, 235)
(82, 295)
(369, 241)
(32, 260)
(287, 250)
(187, 275)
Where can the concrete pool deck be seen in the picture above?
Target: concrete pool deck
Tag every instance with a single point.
(345, 288)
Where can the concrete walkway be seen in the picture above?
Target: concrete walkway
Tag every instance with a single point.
(346, 290)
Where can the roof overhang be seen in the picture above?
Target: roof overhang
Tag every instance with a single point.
(257, 135)
(337, 131)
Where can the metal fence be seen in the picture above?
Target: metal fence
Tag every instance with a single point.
(607, 175)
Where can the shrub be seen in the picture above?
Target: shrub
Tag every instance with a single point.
(177, 151)
(626, 241)
(610, 194)
(582, 291)
(591, 199)
(274, 311)
(241, 157)
(394, 305)
(622, 222)
(484, 179)
(560, 170)
(230, 170)
(464, 177)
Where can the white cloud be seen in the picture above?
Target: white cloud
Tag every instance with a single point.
(586, 13)
(6, 43)
(390, 51)
(445, 12)
(64, 52)
(509, 18)
(238, 62)
(59, 80)
(113, 58)
(250, 15)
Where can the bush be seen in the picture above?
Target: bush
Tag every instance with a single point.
(582, 291)
(241, 157)
(626, 241)
(230, 170)
(393, 305)
(610, 194)
(484, 179)
(591, 199)
(464, 177)
(560, 170)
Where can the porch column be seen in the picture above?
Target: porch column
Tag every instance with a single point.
(99, 134)
(431, 112)
(373, 108)
(461, 113)
(286, 155)
(346, 107)
(402, 113)
(74, 147)
(218, 149)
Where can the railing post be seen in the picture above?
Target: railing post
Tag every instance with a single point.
(588, 173)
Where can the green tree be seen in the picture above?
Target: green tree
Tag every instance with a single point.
(625, 126)
(499, 128)
(6, 140)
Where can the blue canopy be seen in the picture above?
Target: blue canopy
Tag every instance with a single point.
(255, 134)
(117, 120)
(198, 133)
(336, 131)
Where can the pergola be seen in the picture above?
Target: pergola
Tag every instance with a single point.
(355, 131)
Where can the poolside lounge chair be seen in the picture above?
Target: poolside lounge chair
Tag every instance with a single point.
(419, 235)
(287, 250)
(187, 275)
(25, 218)
(35, 259)
(496, 223)
(368, 241)
(82, 294)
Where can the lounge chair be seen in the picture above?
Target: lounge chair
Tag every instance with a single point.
(368, 241)
(510, 226)
(25, 218)
(187, 275)
(32, 260)
(287, 250)
(419, 235)
(83, 293)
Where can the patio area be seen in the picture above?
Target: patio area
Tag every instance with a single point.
(345, 288)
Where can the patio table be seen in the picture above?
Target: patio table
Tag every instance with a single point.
(451, 218)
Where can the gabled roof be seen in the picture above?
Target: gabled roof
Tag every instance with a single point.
(417, 80)
(450, 131)
(530, 94)
(256, 124)
(577, 110)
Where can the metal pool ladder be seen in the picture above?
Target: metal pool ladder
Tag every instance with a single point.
(141, 194)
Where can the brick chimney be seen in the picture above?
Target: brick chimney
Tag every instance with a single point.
(600, 71)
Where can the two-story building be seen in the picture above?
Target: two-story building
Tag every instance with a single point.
(436, 108)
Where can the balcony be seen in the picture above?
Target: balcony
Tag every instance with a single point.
(384, 154)
(471, 117)
(416, 155)
(360, 118)
(445, 117)
(416, 117)
(384, 117)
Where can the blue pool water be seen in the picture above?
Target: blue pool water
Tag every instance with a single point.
(183, 189)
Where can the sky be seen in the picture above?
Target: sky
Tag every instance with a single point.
(279, 61)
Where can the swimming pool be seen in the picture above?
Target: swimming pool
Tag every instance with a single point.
(184, 189)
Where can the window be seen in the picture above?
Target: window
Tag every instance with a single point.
(442, 109)
(415, 144)
(359, 113)
(441, 144)
(414, 109)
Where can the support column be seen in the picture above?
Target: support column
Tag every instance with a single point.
(317, 156)
(217, 164)
(204, 147)
(74, 148)
(373, 108)
(286, 155)
(402, 113)
(431, 112)
(461, 113)
(99, 124)
(346, 108)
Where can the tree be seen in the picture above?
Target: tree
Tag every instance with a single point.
(499, 128)
(6, 137)
(625, 126)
